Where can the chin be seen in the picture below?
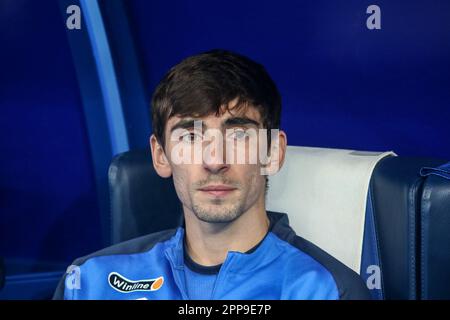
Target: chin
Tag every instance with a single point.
(212, 214)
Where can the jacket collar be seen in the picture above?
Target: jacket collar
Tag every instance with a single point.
(236, 261)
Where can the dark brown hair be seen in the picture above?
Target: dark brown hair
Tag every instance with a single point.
(200, 85)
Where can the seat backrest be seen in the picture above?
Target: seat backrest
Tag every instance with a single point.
(364, 209)
(396, 191)
(141, 201)
(324, 192)
(435, 237)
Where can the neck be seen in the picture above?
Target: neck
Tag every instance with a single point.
(208, 243)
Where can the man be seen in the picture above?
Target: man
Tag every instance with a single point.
(208, 111)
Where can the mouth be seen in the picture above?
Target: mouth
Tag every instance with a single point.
(217, 190)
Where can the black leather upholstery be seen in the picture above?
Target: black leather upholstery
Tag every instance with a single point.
(396, 188)
(141, 201)
(435, 239)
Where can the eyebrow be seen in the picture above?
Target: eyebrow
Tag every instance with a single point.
(234, 121)
(184, 124)
(240, 121)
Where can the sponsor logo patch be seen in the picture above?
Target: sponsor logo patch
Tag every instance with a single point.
(124, 285)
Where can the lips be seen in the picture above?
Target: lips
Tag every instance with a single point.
(217, 190)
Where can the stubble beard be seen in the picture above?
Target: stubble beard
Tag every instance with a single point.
(219, 211)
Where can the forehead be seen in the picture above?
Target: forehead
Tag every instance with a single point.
(247, 111)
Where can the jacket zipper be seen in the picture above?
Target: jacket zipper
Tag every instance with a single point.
(220, 275)
(178, 275)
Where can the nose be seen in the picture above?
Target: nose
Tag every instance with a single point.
(213, 157)
(215, 168)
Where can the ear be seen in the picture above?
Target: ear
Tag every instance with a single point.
(278, 147)
(160, 161)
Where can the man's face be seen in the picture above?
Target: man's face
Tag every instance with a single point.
(214, 190)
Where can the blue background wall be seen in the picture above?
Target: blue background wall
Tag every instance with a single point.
(48, 197)
(343, 86)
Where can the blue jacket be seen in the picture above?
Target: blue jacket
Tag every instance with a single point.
(283, 266)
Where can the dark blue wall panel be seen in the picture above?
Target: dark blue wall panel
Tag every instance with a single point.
(343, 85)
(48, 198)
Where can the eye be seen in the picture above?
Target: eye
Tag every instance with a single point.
(238, 134)
(190, 137)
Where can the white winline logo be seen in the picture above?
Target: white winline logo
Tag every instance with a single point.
(124, 285)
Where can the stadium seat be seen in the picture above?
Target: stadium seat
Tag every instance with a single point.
(434, 242)
(396, 191)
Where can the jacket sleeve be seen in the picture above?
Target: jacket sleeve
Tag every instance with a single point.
(355, 289)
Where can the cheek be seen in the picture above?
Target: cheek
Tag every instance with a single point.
(184, 178)
(181, 183)
(252, 177)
